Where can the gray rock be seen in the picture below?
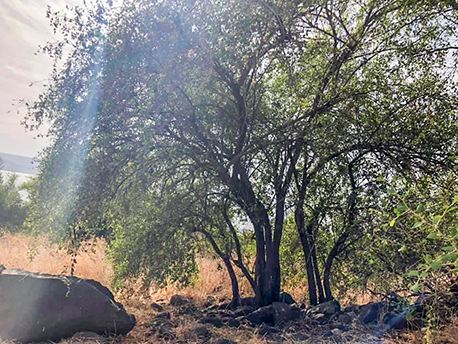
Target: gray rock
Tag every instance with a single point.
(286, 298)
(212, 320)
(327, 308)
(344, 318)
(88, 336)
(320, 318)
(233, 323)
(202, 332)
(266, 330)
(157, 307)
(263, 315)
(245, 310)
(178, 300)
(38, 307)
(370, 312)
(223, 341)
(284, 312)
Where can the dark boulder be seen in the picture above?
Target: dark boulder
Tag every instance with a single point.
(370, 312)
(286, 298)
(263, 315)
(178, 300)
(284, 312)
(329, 308)
(38, 307)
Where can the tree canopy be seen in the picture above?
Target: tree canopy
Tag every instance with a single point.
(174, 118)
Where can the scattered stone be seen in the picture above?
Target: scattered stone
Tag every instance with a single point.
(395, 321)
(320, 318)
(233, 323)
(178, 300)
(370, 312)
(266, 330)
(263, 315)
(352, 308)
(202, 332)
(209, 301)
(40, 307)
(344, 318)
(327, 308)
(223, 341)
(244, 311)
(299, 336)
(212, 320)
(286, 298)
(284, 312)
(336, 332)
(157, 307)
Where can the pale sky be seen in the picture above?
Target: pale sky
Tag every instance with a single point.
(23, 27)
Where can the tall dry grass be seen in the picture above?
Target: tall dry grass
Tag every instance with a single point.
(18, 251)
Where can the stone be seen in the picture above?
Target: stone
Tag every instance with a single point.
(370, 312)
(395, 321)
(223, 341)
(202, 332)
(300, 337)
(233, 323)
(247, 301)
(39, 307)
(320, 318)
(157, 307)
(178, 300)
(266, 330)
(245, 310)
(344, 318)
(212, 320)
(352, 308)
(284, 312)
(263, 315)
(286, 298)
(327, 308)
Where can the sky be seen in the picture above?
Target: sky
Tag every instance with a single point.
(23, 27)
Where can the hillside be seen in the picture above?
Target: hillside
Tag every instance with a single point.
(18, 164)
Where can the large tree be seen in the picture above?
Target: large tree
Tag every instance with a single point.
(263, 101)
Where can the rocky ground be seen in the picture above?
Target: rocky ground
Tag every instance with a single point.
(182, 321)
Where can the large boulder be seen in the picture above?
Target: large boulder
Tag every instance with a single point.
(38, 307)
(284, 312)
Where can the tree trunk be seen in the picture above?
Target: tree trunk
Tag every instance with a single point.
(321, 296)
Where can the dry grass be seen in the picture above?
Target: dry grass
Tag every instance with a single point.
(38, 255)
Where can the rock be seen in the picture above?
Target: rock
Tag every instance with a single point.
(263, 315)
(300, 337)
(286, 298)
(223, 341)
(202, 332)
(178, 300)
(39, 307)
(370, 312)
(233, 323)
(266, 330)
(244, 311)
(352, 308)
(395, 321)
(336, 332)
(247, 301)
(320, 318)
(284, 312)
(327, 308)
(157, 307)
(344, 318)
(217, 322)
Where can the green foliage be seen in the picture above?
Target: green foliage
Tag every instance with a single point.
(13, 209)
(165, 113)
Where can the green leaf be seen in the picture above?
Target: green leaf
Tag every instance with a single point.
(424, 275)
(436, 219)
(420, 208)
(417, 224)
(415, 287)
(392, 222)
(446, 258)
(412, 273)
(432, 236)
(401, 208)
(447, 248)
(392, 191)
(454, 232)
(455, 199)
(380, 179)
(436, 266)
